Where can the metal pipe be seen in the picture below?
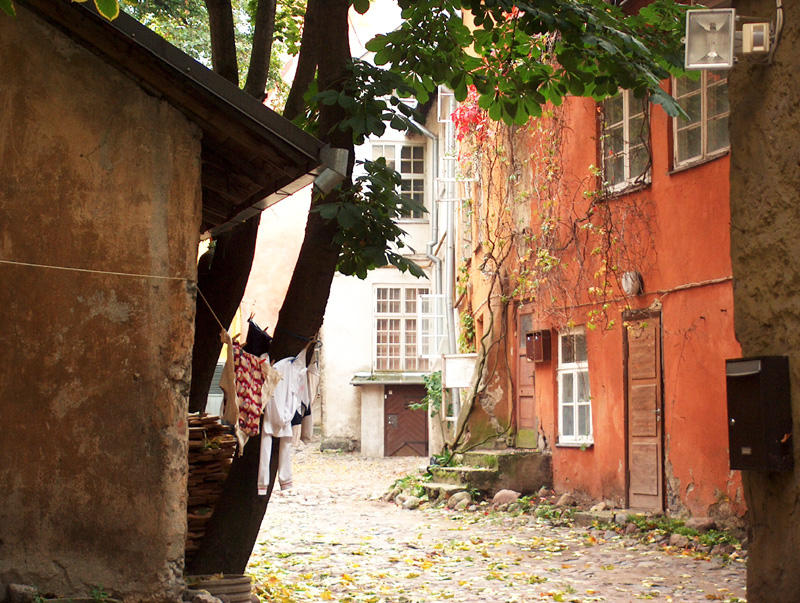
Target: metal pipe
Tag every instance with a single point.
(436, 262)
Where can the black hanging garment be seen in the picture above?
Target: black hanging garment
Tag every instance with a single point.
(258, 341)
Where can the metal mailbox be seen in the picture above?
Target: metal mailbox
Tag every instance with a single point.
(537, 346)
(759, 413)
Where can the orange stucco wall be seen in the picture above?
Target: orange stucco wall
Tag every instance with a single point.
(677, 230)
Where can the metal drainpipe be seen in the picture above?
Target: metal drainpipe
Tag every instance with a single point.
(449, 263)
(450, 254)
(431, 245)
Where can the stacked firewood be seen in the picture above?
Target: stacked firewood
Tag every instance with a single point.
(211, 450)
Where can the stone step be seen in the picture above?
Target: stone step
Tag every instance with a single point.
(496, 459)
(489, 471)
(478, 458)
(480, 478)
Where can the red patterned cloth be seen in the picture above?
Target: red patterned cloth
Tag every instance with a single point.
(249, 381)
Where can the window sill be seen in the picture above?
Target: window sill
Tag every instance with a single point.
(631, 187)
(581, 445)
(412, 220)
(696, 162)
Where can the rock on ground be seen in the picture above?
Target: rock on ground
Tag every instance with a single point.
(505, 497)
(458, 498)
(411, 502)
(701, 524)
(566, 500)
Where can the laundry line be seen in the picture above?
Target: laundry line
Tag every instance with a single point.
(93, 271)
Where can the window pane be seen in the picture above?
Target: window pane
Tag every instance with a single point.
(615, 170)
(384, 150)
(583, 386)
(411, 300)
(567, 349)
(580, 347)
(684, 85)
(584, 419)
(689, 143)
(381, 300)
(525, 327)
(568, 420)
(692, 106)
(718, 134)
(405, 152)
(718, 100)
(567, 388)
(613, 110)
(419, 152)
(638, 131)
(394, 300)
(396, 336)
(614, 141)
(405, 166)
(411, 343)
(640, 161)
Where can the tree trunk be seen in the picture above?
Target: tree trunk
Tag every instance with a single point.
(223, 42)
(306, 63)
(222, 275)
(232, 531)
(765, 178)
(263, 31)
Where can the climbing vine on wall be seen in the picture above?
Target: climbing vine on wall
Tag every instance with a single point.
(544, 235)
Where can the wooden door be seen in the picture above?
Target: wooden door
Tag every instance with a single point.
(527, 427)
(644, 413)
(405, 431)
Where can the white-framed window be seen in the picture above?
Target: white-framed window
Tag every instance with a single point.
(431, 326)
(625, 141)
(409, 161)
(704, 135)
(574, 399)
(396, 329)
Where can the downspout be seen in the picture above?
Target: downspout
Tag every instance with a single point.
(431, 245)
(449, 263)
(450, 253)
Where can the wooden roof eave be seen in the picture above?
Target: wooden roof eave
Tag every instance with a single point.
(266, 156)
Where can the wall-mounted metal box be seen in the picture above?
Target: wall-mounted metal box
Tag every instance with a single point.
(759, 413)
(537, 346)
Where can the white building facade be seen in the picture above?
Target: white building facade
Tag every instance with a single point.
(381, 335)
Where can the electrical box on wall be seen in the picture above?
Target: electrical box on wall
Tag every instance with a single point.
(537, 346)
(759, 413)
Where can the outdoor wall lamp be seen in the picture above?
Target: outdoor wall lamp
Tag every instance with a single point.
(712, 39)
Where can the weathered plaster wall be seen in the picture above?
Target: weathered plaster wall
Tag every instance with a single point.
(346, 350)
(96, 174)
(280, 236)
(765, 247)
(372, 420)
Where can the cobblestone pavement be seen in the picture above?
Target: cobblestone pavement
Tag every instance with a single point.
(331, 539)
